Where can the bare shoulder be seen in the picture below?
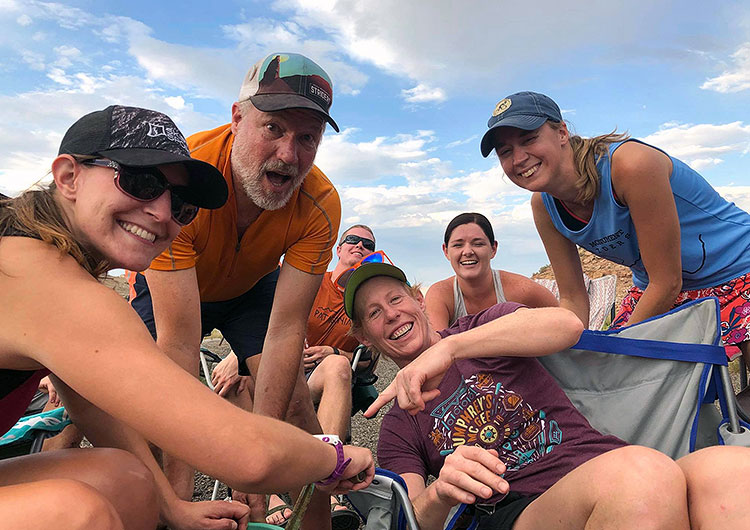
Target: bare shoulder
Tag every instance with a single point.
(50, 297)
(536, 200)
(524, 290)
(439, 291)
(635, 165)
(25, 260)
(439, 303)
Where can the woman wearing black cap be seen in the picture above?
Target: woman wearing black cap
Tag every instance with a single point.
(123, 185)
(630, 203)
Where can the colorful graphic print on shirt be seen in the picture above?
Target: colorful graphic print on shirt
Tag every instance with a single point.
(482, 412)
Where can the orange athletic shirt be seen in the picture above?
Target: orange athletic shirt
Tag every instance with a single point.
(328, 324)
(304, 231)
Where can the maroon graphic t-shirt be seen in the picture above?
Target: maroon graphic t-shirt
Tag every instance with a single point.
(510, 404)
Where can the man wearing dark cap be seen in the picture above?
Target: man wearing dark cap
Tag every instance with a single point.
(222, 271)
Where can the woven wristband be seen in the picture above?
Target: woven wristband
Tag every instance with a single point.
(341, 464)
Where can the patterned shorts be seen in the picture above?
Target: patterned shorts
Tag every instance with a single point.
(734, 303)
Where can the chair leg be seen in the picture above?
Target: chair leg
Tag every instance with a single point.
(36, 444)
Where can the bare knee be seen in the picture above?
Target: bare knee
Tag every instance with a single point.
(713, 465)
(130, 484)
(646, 467)
(336, 369)
(646, 481)
(75, 505)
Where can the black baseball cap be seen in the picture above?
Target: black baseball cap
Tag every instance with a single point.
(523, 110)
(138, 137)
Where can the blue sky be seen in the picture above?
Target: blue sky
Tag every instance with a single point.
(414, 84)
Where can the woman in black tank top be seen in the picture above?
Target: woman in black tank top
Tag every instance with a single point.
(123, 185)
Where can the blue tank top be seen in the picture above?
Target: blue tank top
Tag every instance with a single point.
(714, 233)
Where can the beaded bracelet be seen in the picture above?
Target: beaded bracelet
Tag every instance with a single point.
(341, 464)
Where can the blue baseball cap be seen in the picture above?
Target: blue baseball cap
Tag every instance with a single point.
(523, 110)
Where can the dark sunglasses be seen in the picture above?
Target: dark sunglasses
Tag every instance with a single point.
(369, 244)
(148, 184)
(375, 257)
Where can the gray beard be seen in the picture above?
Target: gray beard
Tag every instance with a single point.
(260, 199)
(251, 185)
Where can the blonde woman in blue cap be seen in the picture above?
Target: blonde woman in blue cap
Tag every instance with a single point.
(630, 203)
(124, 185)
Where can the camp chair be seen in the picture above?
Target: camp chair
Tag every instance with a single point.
(384, 504)
(363, 378)
(671, 364)
(28, 434)
(207, 357)
(602, 296)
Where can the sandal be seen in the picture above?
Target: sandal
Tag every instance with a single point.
(280, 508)
(342, 517)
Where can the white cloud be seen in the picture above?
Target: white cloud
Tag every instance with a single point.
(739, 195)
(34, 122)
(67, 55)
(259, 37)
(735, 79)
(703, 163)
(345, 160)
(429, 44)
(24, 20)
(176, 102)
(423, 94)
(465, 141)
(34, 60)
(703, 144)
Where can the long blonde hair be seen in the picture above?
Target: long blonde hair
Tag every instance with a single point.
(37, 214)
(586, 153)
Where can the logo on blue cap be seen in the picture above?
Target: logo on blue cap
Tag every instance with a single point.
(523, 110)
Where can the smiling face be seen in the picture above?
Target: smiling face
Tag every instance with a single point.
(469, 251)
(273, 151)
(349, 255)
(392, 320)
(533, 159)
(126, 232)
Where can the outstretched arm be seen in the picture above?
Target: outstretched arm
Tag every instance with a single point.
(285, 339)
(640, 178)
(72, 321)
(556, 329)
(563, 256)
